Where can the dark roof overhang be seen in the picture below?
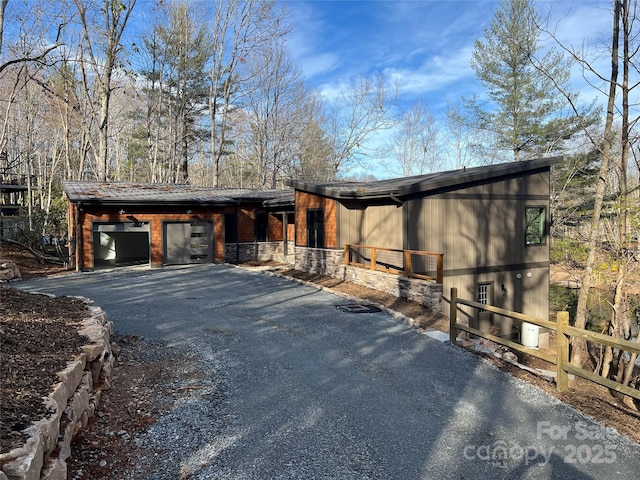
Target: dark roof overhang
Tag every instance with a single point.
(396, 189)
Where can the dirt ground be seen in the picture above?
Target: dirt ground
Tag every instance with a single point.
(138, 396)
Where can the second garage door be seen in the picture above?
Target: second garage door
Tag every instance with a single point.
(188, 242)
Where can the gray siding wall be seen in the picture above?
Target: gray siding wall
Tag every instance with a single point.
(479, 229)
(483, 225)
(379, 226)
(481, 232)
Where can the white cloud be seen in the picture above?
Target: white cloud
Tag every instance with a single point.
(437, 73)
(321, 64)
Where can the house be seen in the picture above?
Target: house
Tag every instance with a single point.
(483, 230)
(14, 197)
(115, 224)
(486, 226)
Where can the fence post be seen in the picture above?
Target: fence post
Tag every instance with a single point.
(453, 315)
(407, 263)
(347, 254)
(562, 377)
(440, 269)
(373, 259)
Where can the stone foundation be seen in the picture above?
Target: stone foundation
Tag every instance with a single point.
(73, 401)
(331, 262)
(267, 251)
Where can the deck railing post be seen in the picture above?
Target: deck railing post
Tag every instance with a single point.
(407, 263)
(440, 269)
(453, 315)
(562, 377)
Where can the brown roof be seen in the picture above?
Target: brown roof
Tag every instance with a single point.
(151, 193)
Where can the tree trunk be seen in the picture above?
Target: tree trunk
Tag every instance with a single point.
(579, 346)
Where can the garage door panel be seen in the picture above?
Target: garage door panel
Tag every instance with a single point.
(120, 244)
(188, 242)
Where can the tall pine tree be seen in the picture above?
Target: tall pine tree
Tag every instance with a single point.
(523, 113)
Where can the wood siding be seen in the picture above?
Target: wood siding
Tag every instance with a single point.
(481, 231)
(379, 226)
(308, 201)
(483, 226)
(81, 226)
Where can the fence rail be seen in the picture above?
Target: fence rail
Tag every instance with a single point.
(563, 332)
(410, 263)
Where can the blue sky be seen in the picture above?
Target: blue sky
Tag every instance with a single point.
(426, 45)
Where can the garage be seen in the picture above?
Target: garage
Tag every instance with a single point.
(119, 244)
(188, 242)
(120, 224)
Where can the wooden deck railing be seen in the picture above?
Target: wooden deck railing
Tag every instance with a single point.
(563, 331)
(410, 263)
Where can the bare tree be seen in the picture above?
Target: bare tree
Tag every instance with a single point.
(414, 148)
(360, 111)
(239, 28)
(273, 107)
(103, 26)
(620, 324)
(3, 8)
(313, 150)
(614, 151)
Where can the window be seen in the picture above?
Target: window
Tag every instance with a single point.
(262, 227)
(315, 228)
(230, 228)
(536, 226)
(485, 293)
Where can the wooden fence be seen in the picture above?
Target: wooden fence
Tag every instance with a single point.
(410, 263)
(563, 332)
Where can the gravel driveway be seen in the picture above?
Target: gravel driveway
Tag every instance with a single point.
(295, 388)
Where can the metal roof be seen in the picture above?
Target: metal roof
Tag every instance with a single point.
(153, 193)
(452, 179)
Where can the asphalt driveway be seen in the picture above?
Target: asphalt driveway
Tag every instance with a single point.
(303, 390)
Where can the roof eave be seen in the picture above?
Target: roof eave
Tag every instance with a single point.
(130, 203)
(503, 170)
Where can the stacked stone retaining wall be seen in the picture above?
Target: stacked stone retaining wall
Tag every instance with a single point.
(266, 251)
(73, 401)
(331, 262)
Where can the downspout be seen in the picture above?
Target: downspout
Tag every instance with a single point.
(396, 199)
(235, 227)
(78, 237)
(255, 234)
(285, 228)
(405, 221)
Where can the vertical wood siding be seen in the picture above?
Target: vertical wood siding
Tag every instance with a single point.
(306, 201)
(379, 226)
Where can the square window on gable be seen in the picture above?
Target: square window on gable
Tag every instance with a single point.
(536, 226)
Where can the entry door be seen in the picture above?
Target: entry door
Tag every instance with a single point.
(188, 242)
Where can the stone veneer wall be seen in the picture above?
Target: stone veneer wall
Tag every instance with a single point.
(331, 262)
(73, 401)
(266, 251)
